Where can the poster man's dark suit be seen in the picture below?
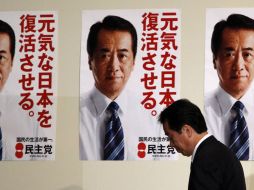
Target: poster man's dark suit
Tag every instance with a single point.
(215, 168)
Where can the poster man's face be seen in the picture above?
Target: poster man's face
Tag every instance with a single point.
(112, 62)
(235, 61)
(5, 59)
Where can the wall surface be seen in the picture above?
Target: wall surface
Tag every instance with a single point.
(67, 172)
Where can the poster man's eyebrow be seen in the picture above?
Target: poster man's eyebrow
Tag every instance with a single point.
(248, 49)
(245, 49)
(3, 51)
(123, 50)
(104, 50)
(228, 49)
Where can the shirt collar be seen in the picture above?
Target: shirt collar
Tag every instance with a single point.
(101, 101)
(226, 101)
(248, 101)
(197, 145)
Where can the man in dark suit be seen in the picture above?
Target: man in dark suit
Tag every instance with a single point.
(214, 166)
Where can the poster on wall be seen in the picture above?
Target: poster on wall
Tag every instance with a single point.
(28, 84)
(129, 71)
(229, 72)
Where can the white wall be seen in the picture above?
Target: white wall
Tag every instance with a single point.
(67, 172)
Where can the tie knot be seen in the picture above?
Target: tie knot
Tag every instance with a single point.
(113, 106)
(238, 106)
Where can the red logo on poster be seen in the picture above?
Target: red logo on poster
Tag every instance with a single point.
(19, 147)
(141, 150)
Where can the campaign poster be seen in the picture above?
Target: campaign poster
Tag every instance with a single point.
(28, 82)
(141, 79)
(228, 74)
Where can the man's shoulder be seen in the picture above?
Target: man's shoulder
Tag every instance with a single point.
(218, 161)
(214, 150)
(85, 99)
(10, 104)
(210, 98)
(134, 104)
(89, 104)
(212, 107)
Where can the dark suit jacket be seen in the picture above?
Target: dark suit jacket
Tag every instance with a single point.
(215, 168)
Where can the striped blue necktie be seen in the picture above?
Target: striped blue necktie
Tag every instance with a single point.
(239, 135)
(114, 137)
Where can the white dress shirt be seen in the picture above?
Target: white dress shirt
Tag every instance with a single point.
(135, 121)
(219, 116)
(16, 123)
